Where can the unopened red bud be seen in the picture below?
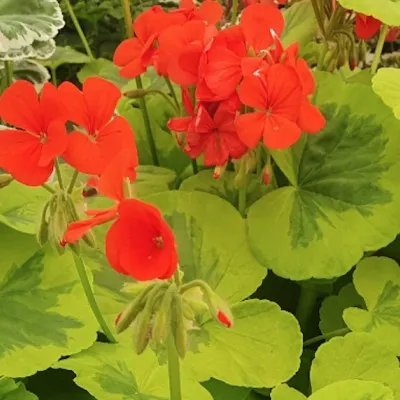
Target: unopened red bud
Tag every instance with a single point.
(63, 243)
(89, 192)
(224, 319)
(218, 171)
(266, 177)
(117, 318)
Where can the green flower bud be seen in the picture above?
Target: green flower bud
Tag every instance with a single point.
(42, 234)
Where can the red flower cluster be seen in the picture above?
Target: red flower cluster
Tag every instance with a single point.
(367, 27)
(139, 243)
(223, 73)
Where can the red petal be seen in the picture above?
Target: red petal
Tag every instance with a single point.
(249, 65)
(257, 20)
(210, 11)
(311, 119)
(179, 124)
(19, 106)
(203, 122)
(253, 92)
(280, 132)
(56, 143)
(366, 26)
(250, 128)
(20, 153)
(133, 69)
(101, 97)
(51, 106)
(306, 76)
(149, 23)
(187, 100)
(128, 51)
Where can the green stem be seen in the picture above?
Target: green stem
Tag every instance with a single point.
(48, 188)
(166, 97)
(149, 133)
(195, 167)
(79, 29)
(8, 65)
(53, 72)
(73, 181)
(173, 94)
(177, 278)
(127, 17)
(327, 336)
(322, 55)
(305, 308)
(243, 197)
(59, 175)
(174, 372)
(80, 267)
(318, 16)
(379, 48)
(234, 11)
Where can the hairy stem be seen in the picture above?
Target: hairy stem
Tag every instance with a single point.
(379, 48)
(9, 70)
(73, 181)
(174, 372)
(59, 175)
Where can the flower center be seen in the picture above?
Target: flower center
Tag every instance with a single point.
(159, 242)
(43, 137)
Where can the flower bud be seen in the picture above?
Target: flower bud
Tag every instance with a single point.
(58, 221)
(136, 94)
(42, 234)
(5, 180)
(178, 326)
(219, 170)
(266, 175)
(224, 319)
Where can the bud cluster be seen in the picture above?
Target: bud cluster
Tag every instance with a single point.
(161, 308)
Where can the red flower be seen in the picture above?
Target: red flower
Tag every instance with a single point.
(28, 154)
(367, 26)
(105, 136)
(276, 94)
(209, 11)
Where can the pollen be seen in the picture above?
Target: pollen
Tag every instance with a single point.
(159, 242)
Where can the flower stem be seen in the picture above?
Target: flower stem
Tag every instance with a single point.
(73, 181)
(306, 305)
(80, 267)
(59, 175)
(379, 48)
(243, 197)
(48, 188)
(127, 18)
(173, 94)
(173, 369)
(318, 16)
(195, 167)
(53, 72)
(234, 11)
(8, 66)
(327, 336)
(79, 29)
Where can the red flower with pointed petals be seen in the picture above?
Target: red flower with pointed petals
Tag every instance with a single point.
(105, 136)
(367, 26)
(28, 154)
(276, 94)
(257, 22)
(140, 243)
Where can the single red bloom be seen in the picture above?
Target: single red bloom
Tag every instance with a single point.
(393, 34)
(28, 154)
(276, 94)
(140, 243)
(222, 317)
(209, 11)
(367, 26)
(104, 135)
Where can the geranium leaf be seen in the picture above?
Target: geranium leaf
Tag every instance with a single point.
(65, 55)
(353, 390)
(338, 205)
(377, 280)
(386, 84)
(115, 372)
(23, 24)
(262, 349)
(387, 11)
(44, 314)
(151, 179)
(355, 356)
(212, 245)
(11, 390)
(331, 311)
(221, 391)
(284, 392)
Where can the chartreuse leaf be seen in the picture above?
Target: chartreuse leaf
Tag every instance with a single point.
(262, 349)
(23, 24)
(212, 245)
(115, 372)
(386, 84)
(377, 280)
(21, 206)
(284, 392)
(353, 390)
(224, 187)
(331, 311)
(355, 356)
(11, 390)
(387, 11)
(300, 24)
(65, 55)
(151, 179)
(338, 205)
(44, 313)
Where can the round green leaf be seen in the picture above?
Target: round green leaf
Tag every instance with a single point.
(377, 280)
(44, 314)
(11, 390)
(224, 187)
(151, 179)
(387, 11)
(22, 23)
(354, 356)
(65, 55)
(21, 206)
(262, 349)
(284, 392)
(115, 372)
(221, 391)
(386, 84)
(353, 390)
(338, 205)
(331, 311)
(212, 244)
